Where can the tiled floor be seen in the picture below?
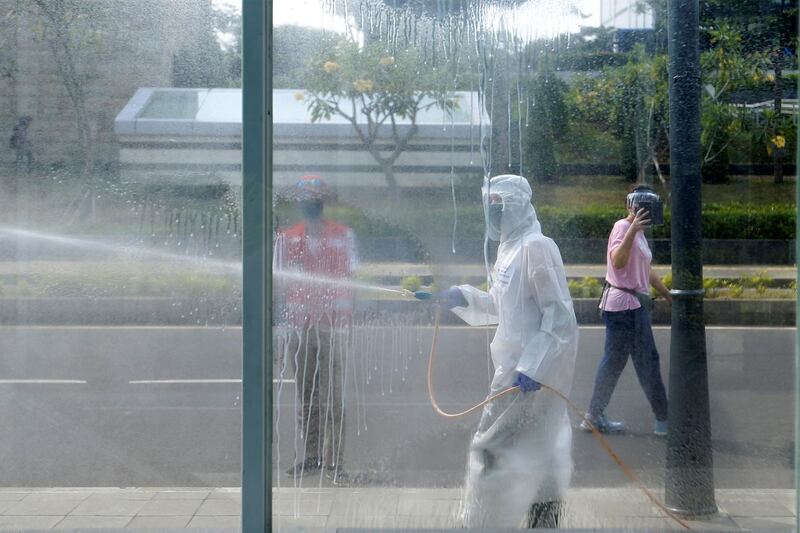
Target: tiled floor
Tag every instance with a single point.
(109, 508)
(364, 508)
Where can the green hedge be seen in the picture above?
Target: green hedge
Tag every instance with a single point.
(733, 221)
(746, 222)
(728, 221)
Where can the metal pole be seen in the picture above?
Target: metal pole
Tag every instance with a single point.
(797, 339)
(689, 476)
(256, 266)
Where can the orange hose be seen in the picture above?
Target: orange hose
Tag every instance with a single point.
(628, 471)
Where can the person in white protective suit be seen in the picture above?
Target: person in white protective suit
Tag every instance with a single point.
(520, 463)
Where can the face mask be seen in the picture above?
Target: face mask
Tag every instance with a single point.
(495, 216)
(311, 209)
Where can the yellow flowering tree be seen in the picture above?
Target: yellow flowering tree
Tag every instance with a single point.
(374, 90)
(725, 67)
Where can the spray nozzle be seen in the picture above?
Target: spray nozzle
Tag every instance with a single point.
(419, 295)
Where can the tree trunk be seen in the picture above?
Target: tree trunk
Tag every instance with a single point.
(777, 153)
(391, 181)
(63, 54)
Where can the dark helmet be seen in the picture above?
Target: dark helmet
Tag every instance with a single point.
(311, 188)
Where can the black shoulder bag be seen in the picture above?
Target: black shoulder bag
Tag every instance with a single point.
(644, 299)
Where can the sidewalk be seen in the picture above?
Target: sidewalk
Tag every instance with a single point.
(369, 509)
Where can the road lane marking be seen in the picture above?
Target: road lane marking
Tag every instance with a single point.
(180, 381)
(193, 381)
(42, 382)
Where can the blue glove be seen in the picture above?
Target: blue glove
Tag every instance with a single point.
(449, 298)
(526, 384)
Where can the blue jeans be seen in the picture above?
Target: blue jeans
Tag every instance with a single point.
(629, 333)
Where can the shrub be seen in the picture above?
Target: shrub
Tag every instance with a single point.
(738, 221)
(592, 287)
(759, 281)
(411, 283)
(585, 288)
(590, 223)
(734, 221)
(574, 287)
(712, 286)
(720, 221)
(735, 289)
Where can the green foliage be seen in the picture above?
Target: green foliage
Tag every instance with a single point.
(720, 221)
(385, 86)
(574, 287)
(760, 281)
(587, 287)
(593, 222)
(667, 280)
(771, 132)
(367, 83)
(724, 68)
(737, 221)
(735, 289)
(712, 286)
(630, 103)
(734, 221)
(589, 50)
(587, 143)
(411, 283)
(547, 123)
(763, 24)
(294, 49)
(107, 283)
(202, 63)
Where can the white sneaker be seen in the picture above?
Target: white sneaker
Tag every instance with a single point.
(660, 429)
(602, 424)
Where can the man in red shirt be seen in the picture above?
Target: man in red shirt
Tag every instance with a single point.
(310, 258)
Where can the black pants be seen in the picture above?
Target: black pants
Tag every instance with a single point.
(544, 515)
(629, 334)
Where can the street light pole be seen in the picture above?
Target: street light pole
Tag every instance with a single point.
(689, 480)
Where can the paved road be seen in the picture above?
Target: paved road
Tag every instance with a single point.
(160, 406)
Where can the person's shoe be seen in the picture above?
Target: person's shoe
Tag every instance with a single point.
(660, 429)
(311, 464)
(602, 424)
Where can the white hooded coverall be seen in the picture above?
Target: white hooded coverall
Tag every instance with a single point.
(521, 451)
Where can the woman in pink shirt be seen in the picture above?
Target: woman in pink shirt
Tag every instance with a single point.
(629, 332)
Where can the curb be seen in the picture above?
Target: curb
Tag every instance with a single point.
(163, 311)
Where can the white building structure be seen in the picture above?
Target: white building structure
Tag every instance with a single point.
(193, 137)
(626, 14)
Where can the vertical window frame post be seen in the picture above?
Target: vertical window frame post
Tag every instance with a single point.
(256, 266)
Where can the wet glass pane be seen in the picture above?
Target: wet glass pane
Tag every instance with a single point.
(120, 256)
(495, 197)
